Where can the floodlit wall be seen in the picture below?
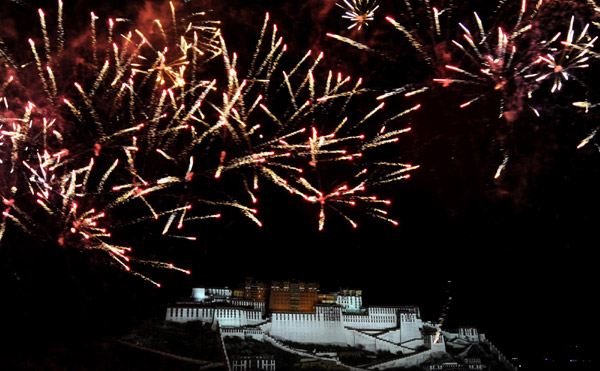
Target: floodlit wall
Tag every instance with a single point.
(211, 294)
(258, 305)
(375, 318)
(468, 333)
(435, 343)
(410, 327)
(190, 313)
(387, 318)
(199, 293)
(394, 329)
(241, 332)
(226, 317)
(324, 326)
(369, 322)
(236, 317)
(349, 301)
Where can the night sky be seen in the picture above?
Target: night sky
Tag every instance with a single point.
(516, 254)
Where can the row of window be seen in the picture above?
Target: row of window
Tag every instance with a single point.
(294, 316)
(382, 310)
(208, 313)
(233, 313)
(386, 319)
(195, 312)
(408, 317)
(244, 368)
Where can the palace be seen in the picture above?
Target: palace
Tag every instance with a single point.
(297, 312)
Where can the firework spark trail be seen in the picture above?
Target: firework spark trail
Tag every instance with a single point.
(516, 76)
(443, 313)
(423, 33)
(591, 137)
(494, 64)
(421, 25)
(349, 41)
(507, 62)
(359, 12)
(280, 149)
(501, 167)
(60, 170)
(573, 54)
(422, 38)
(283, 126)
(587, 139)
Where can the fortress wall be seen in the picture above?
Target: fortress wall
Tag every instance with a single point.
(191, 313)
(376, 318)
(369, 342)
(393, 336)
(410, 327)
(413, 344)
(368, 322)
(240, 332)
(237, 317)
(227, 317)
(259, 305)
(468, 333)
(307, 328)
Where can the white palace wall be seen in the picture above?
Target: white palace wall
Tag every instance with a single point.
(225, 317)
(394, 329)
(324, 326)
(327, 325)
(258, 305)
(236, 317)
(410, 327)
(374, 319)
(190, 313)
(407, 322)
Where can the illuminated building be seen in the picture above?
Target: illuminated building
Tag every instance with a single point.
(298, 313)
(468, 333)
(293, 296)
(350, 300)
(327, 298)
(251, 363)
(239, 294)
(295, 314)
(213, 294)
(256, 291)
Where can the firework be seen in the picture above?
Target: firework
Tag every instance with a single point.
(359, 12)
(421, 25)
(292, 132)
(422, 28)
(503, 58)
(82, 161)
(562, 61)
(147, 137)
(493, 57)
(591, 137)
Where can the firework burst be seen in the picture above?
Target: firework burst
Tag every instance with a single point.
(75, 167)
(494, 57)
(359, 12)
(154, 137)
(503, 58)
(291, 130)
(572, 54)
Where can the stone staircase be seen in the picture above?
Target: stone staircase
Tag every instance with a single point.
(391, 346)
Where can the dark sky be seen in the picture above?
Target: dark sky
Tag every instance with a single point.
(518, 250)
